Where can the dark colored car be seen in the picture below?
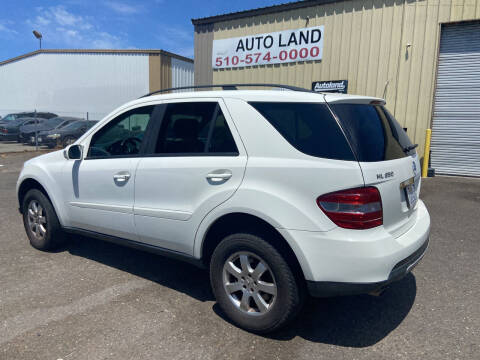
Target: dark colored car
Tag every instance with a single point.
(65, 135)
(9, 131)
(27, 114)
(27, 133)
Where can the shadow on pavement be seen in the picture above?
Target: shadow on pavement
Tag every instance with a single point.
(352, 321)
(177, 275)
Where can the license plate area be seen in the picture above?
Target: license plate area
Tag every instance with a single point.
(408, 187)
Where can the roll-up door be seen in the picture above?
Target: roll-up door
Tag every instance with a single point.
(456, 114)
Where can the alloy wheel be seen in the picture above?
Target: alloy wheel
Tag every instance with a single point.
(249, 283)
(37, 221)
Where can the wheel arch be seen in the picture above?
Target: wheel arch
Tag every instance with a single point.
(241, 222)
(31, 182)
(26, 185)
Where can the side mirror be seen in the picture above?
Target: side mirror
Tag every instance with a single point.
(73, 152)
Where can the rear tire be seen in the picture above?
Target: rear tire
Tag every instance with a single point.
(253, 284)
(41, 222)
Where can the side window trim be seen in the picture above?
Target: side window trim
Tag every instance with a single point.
(154, 124)
(210, 130)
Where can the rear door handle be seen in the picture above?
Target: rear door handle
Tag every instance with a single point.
(219, 175)
(121, 177)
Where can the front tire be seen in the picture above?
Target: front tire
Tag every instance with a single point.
(253, 283)
(41, 222)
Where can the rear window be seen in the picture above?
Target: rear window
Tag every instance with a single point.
(309, 127)
(373, 132)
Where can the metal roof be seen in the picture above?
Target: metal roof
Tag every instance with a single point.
(261, 11)
(97, 51)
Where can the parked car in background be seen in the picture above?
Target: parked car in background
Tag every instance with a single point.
(27, 133)
(65, 135)
(9, 131)
(15, 116)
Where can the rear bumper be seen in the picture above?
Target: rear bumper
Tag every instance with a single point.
(343, 261)
(331, 288)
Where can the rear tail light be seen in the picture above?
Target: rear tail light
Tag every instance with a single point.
(3, 130)
(359, 208)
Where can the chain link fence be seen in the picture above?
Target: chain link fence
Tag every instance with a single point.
(40, 129)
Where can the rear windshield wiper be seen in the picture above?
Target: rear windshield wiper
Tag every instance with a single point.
(407, 149)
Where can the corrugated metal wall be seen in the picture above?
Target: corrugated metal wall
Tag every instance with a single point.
(73, 83)
(456, 116)
(160, 72)
(182, 73)
(365, 42)
(203, 39)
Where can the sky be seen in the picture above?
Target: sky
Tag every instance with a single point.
(108, 24)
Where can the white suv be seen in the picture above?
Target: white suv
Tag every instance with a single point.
(278, 193)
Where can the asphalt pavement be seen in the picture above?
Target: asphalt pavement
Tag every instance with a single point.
(96, 300)
(14, 146)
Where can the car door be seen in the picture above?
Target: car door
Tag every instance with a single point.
(194, 162)
(100, 189)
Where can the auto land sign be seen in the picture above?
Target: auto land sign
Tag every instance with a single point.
(340, 86)
(269, 48)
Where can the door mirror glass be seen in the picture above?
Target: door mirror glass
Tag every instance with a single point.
(73, 152)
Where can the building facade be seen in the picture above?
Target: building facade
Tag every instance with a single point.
(422, 56)
(77, 82)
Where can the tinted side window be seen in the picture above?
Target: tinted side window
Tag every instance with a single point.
(309, 127)
(121, 136)
(194, 128)
(221, 139)
(372, 134)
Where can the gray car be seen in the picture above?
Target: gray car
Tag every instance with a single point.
(66, 135)
(27, 133)
(9, 130)
(14, 116)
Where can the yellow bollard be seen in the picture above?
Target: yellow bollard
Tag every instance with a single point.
(426, 155)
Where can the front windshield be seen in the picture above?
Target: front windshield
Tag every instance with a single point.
(18, 121)
(53, 122)
(9, 117)
(62, 125)
(73, 126)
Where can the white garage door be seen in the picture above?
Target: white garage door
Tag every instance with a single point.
(456, 117)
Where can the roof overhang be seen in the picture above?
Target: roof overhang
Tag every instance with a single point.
(98, 51)
(261, 11)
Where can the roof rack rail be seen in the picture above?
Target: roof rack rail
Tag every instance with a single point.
(227, 87)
